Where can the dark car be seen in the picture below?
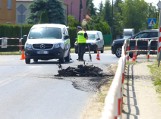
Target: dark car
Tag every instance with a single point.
(117, 44)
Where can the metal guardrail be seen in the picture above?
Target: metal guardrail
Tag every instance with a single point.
(113, 101)
(146, 45)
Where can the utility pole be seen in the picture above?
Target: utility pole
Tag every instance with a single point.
(112, 20)
(80, 10)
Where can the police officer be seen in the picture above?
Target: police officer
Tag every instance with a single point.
(81, 40)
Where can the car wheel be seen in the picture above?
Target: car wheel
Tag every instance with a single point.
(27, 61)
(118, 52)
(67, 59)
(131, 55)
(35, 60)
(102, 51)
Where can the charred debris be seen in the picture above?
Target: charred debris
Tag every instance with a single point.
(81, 71)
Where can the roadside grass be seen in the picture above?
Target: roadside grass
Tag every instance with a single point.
(10, 53)
(156, 73)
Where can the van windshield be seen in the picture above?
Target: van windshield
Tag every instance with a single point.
(45, 32)
(91, 36)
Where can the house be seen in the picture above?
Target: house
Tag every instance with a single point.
(7, 11)
(76, 8)
(17, 11)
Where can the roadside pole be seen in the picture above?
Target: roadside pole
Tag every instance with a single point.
(159, 35)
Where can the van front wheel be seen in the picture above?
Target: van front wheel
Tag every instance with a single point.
(27, 61)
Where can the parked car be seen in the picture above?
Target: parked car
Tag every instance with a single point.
(47, 41)
(117, 44)
(95, 41)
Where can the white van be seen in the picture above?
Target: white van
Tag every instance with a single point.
(95, 41)
(47, 41)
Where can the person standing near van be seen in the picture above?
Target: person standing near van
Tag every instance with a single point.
(81, 40)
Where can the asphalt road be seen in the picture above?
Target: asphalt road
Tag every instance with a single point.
(33, 92)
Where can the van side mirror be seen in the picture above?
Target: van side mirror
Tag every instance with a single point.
(98, 39)
(66, 37)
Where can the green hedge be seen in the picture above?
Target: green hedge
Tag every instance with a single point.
(14, 31)
(107, 39)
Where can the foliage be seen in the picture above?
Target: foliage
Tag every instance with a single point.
(13, 31)
(107, 12)
(135, 14)
(51, 9)
(55, 12)
(72, 22)
(98, 24)
(117, 19)
(91, 8)
(156, 73)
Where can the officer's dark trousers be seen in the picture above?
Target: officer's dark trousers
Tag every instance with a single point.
(81, 50)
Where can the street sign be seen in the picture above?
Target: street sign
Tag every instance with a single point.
(159, 4)
(151, 22)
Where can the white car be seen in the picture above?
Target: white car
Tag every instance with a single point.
(47, 41)
(95, 41)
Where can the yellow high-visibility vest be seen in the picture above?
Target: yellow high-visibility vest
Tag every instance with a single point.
(80, 37)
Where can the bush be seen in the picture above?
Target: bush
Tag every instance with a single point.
(14, 31)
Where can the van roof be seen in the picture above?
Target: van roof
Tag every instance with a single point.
(92, 31)
(48, 25)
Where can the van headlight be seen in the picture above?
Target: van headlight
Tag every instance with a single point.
(28, 46)
(58, 45)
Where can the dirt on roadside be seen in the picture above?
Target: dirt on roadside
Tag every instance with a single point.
(93, 109)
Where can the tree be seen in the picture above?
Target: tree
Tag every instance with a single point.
(90, 7)
(107, 12)
(117, 18)
(51, 9)
(72, 22)
(97, 23)
(135, 14)
(55, 12)
(37, 7)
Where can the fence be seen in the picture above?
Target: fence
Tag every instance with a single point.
(113, 101)
(11, 44)
(141, 46)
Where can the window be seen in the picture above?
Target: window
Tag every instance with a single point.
(9, 4)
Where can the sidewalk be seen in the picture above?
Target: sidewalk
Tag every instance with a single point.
(140, 99)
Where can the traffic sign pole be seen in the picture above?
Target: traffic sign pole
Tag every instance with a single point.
(159, 35)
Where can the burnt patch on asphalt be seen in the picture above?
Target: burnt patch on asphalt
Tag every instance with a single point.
(86, 78)
(81, 71)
